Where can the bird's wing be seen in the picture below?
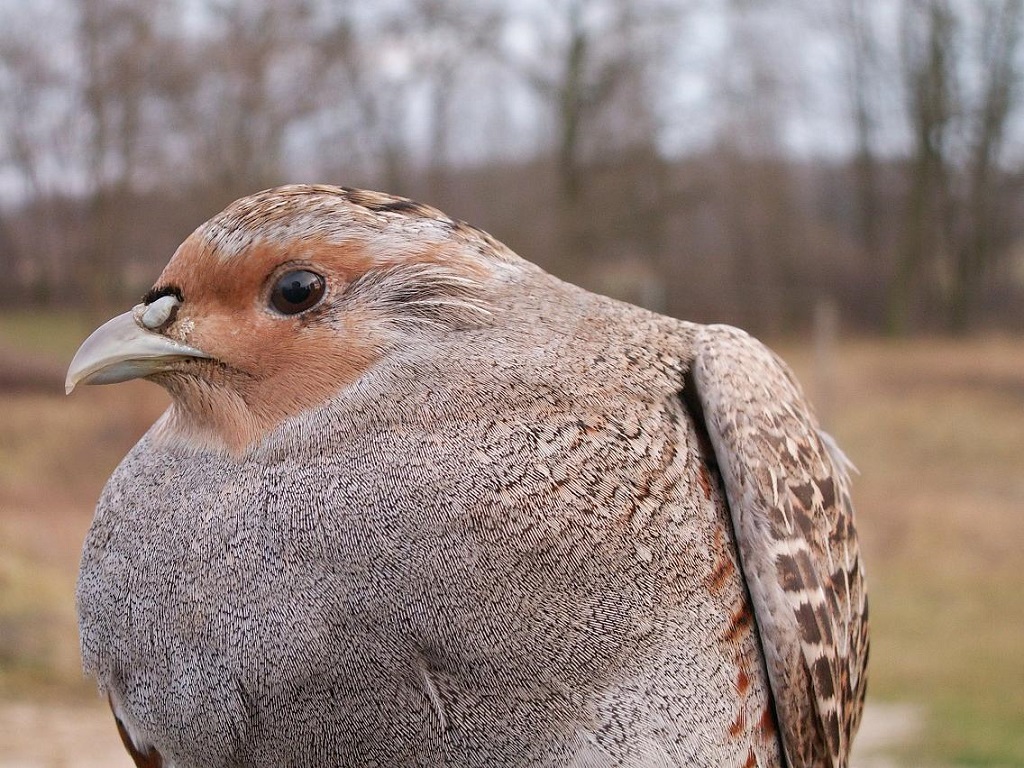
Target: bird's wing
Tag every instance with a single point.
(788, 494)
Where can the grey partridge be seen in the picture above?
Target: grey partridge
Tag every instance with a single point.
(416, 502)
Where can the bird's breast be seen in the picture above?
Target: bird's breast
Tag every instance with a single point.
(442, 580)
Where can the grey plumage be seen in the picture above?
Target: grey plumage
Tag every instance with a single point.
(508, 538)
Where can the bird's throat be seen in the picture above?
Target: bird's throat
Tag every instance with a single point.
(207, 416)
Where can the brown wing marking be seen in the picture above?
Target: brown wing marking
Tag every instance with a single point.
(789, 499)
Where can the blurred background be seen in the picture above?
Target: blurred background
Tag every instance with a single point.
(844, 178)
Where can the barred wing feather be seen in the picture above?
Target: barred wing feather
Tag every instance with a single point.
(788, 493)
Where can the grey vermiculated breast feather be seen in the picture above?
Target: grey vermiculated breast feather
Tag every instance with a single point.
(418, 503)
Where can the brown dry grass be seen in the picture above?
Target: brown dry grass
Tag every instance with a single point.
(54, 457)
(55, 454)
(937, 431)
(935, 427)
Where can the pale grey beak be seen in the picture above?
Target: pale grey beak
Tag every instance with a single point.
(126, 348)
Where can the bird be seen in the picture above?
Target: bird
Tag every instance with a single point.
(417, 502)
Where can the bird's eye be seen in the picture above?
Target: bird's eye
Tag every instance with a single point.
(297, 291)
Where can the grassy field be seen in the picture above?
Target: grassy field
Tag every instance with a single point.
(935, 427)
(937, 431)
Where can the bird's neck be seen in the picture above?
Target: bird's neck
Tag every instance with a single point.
(204, 416)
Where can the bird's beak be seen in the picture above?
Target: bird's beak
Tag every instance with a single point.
(126, 348)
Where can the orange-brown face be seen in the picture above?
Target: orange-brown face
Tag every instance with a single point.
(266, 311)
(267, 347)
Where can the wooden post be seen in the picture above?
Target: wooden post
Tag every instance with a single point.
(826, 333)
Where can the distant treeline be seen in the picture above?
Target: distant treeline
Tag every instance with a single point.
(642, 148)
(719, 237)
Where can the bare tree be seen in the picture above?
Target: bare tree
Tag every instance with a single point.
(929, 36)
(258, 76)
(34, 140)
(120, 52)
(591, 72)
(757, 206)
(962, 90)
(984, 230)
(854, 25)
(592, 54)
(368, 95)
(445, 39)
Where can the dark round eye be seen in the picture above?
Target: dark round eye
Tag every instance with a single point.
(297, 291)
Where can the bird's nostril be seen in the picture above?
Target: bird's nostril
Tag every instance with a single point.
(160, 312)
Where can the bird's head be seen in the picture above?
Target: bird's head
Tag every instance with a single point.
(288, 296)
